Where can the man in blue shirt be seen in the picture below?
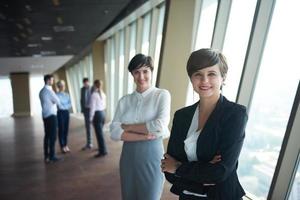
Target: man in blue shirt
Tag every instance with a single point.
(49, 102)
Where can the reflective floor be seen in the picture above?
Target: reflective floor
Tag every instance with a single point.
(24, 175)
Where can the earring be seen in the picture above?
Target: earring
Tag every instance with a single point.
(222, 85)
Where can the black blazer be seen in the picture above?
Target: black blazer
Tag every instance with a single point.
(223, 134)
(82, 97)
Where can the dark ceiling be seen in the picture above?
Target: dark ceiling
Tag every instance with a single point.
(41, 28)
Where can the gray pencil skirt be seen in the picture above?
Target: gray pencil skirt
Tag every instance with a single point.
(141, 176)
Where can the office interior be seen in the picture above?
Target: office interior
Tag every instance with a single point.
(96, 39)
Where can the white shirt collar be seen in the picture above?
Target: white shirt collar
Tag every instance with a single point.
(48, 87)
(145, 93)
(194, 125)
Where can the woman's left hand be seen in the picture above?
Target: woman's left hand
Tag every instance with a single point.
(125, 127)
(169, 164)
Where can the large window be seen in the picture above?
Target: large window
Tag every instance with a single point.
(112, 74)
(236, 42)
(140, 32)
(206, 21)
(208, 10)
(132, 52)
(146, 33)
(272, 100)
(160, 26)
(36, 84)
(121, 63)
(6, 104)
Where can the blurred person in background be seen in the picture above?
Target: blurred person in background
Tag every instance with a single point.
(63, 116)
(97, 115)
(85, 110)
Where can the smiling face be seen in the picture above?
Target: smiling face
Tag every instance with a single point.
(142, 78)
(207, 81)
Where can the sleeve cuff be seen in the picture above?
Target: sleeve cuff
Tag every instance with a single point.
(116, 131)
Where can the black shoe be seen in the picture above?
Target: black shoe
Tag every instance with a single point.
(55, 159)
(98, 155)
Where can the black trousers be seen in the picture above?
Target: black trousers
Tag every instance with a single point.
(86, 114)
(192, 197)
(63, 118)
(98, 122)
(183, 196)
(50, 126)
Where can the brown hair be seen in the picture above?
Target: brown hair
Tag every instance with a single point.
(203, 58)
(97, 85)
(140, 60)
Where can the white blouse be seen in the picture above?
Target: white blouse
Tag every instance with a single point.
(97, 103)
(190, 143)
(151, 107)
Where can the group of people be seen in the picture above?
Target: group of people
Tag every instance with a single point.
(205, 140)
(93, 105)
(55, 113)
(56, 116)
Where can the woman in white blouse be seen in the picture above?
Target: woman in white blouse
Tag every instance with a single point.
(141, 121)
(97, 116)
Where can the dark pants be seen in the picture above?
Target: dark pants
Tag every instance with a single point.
(98, 122)
(50, 126)
(63, 118)
(86, 114)
(191, 197)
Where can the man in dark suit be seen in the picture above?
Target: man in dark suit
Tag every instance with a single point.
(85, 109)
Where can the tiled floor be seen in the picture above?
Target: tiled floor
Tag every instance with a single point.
(24, 175)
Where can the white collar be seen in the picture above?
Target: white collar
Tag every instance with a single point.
(48, 87)
(194, 125)
(145, 93)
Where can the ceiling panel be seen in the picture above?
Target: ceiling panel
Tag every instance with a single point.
(62, 29)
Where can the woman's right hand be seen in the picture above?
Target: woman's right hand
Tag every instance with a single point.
(132, 137)
(150, 137)
(216, 159)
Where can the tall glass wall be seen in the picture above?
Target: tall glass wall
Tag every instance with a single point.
(141, 35)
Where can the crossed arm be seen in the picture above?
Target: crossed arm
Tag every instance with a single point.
(149, 130)
(217, 170)
(136, 132)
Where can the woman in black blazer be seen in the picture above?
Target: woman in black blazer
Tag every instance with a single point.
(207, 137)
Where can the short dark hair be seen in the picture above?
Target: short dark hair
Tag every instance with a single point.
(85, 79)
(140, 60)
(203, 58)
(47, 77)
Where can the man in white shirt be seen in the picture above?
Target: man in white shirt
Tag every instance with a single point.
(49, 102)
